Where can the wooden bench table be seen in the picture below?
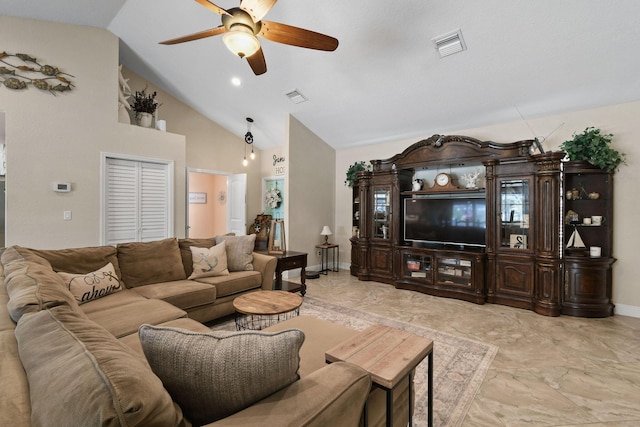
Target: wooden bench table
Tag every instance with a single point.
(390, 356)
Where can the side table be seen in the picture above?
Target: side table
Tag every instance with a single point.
(324, 257)
(258, 310)
(290, 260)
(390, 355)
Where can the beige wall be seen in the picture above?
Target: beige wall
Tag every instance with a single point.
(621, 120)
(60, 138)
(210, 147)
(310, 188)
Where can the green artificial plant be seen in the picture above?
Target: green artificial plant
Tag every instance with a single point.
(594, 147)
(353, 170)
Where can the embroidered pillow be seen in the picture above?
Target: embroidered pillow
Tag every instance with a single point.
(94, 285)
(213, 375)
(209, 262)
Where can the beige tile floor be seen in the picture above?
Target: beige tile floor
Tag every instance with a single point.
(549, 371)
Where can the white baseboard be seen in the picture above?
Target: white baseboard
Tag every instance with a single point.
(627, 310)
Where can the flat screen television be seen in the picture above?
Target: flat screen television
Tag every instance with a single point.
(442, 221)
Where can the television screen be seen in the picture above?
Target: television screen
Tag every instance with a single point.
(438, 220)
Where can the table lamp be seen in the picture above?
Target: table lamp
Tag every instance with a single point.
(326, 232)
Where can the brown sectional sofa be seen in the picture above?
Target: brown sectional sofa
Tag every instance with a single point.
(65, 363)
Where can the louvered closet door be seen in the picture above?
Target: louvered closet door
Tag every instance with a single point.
(137, 201)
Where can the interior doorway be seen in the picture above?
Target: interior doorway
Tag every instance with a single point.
(216, 203)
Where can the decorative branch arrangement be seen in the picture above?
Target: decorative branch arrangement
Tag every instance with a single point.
(19, 70)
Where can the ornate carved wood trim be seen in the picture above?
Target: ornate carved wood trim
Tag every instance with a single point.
(439, 149)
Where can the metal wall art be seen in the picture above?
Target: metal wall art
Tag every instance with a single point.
(18, 71)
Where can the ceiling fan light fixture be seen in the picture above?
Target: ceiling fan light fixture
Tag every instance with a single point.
(241, 41)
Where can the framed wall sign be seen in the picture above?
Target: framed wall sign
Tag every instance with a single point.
(198, 198)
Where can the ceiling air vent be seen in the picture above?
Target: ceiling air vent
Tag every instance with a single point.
(296, 97)
(450, 43)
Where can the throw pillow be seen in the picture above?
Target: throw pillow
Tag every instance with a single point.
(239, 251)
(213, 375)
(185, 252)
(209, 262)
(94, 285)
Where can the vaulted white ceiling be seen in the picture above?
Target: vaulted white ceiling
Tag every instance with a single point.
(385, 82)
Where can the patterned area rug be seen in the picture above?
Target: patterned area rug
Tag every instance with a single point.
(460, 364)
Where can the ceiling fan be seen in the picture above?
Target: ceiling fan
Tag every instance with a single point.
(241, 25)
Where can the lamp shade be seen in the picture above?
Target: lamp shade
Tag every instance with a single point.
(241, 41)
(326, 231)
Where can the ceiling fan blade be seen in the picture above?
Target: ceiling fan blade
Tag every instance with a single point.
(294, 36)
(209, 5)
(257, 8)
(197, 36)
(257, 62)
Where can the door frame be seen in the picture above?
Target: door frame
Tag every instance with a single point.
(186, 201)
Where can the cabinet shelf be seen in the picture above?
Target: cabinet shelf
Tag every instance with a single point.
(444, 192)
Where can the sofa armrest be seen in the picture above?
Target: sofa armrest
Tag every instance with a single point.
(331, 396)
(266, 265)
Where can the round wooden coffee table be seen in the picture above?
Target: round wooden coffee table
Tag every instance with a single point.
(259, 310)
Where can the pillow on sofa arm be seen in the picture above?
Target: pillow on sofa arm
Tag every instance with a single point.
(213, 375)
(239, 251)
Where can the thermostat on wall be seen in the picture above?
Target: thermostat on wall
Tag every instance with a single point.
(62, 187)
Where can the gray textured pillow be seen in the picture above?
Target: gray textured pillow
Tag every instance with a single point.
(214, 375)
(239, 251)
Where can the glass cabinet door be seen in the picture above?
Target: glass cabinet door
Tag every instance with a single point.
(515, 206)
(381, 212)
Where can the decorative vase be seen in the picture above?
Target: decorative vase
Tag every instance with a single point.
(144, 119)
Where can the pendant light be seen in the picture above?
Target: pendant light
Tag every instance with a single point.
(248, 139)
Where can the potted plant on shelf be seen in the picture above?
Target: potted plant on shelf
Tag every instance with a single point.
(594, 147)
(353, 170)
(144, 107)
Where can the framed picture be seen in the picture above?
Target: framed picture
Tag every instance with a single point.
(518, 241)
(198, 198)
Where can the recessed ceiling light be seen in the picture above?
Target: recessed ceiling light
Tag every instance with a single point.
(236, 81)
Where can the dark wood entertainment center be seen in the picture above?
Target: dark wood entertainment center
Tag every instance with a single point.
(524, 260)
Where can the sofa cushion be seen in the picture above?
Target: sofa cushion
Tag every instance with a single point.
(93, 285)
(142, 263)
(215, 374)
(184, 294)
(119, 299)
(125, 320)
(14, 404)
(209, 262)
(81, 260)
(185, 252)
(239, 251)
(31, 283)
(133, 340)
(236, 282)
(79, 374)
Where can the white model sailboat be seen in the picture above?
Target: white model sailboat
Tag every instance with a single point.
(575, 241)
